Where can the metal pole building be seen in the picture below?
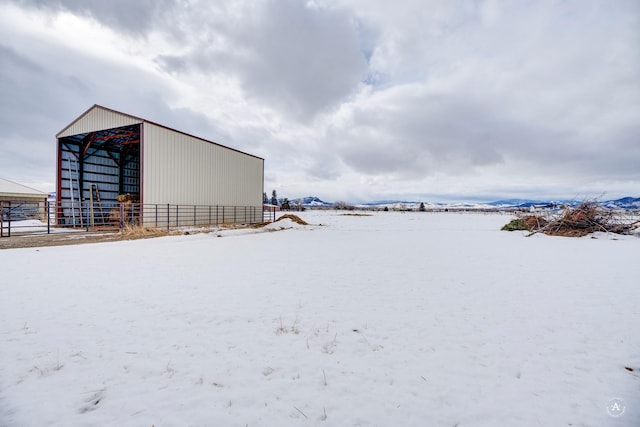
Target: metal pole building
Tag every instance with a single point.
(124, 154)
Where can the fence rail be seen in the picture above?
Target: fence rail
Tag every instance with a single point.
(22, 218)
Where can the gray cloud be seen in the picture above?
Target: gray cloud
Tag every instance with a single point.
(32, 111)
(28, 86)
(552, 90)
(133, 17)
(287, 54)
(39, 100)
(455, 134)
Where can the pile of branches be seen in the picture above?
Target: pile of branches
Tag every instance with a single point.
(586, 218)
(526, 222)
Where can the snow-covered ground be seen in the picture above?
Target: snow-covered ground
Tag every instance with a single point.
(394, 319)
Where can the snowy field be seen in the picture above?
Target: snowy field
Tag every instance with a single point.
(393, 319)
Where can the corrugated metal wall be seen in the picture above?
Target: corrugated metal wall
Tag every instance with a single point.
(98, 118)
(181, 169)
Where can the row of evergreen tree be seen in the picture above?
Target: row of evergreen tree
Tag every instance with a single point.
(285, 205)
(272, 201)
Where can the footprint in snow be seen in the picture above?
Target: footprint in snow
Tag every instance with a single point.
(93, 402)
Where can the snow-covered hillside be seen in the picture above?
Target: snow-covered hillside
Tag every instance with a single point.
(383, 320)
(628, 203)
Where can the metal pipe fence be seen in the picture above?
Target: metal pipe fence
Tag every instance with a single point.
(21, 218)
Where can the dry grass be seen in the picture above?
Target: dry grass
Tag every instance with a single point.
(132, 231)
(102, 234)
(260, 225)
(293, 218)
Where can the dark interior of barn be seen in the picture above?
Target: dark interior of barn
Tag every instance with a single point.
(94, 170)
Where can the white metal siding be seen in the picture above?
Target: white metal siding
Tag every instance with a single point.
(96, 119)
(181, 169)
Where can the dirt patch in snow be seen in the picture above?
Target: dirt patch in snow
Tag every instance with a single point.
(63, 239)
(75, 238)
(294, 218)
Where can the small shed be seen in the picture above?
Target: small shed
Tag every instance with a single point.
(14, 192)
(22, 201)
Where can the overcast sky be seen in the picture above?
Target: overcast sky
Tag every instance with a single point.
(344, 99)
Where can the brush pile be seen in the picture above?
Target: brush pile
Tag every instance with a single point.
(526, 222)
(586, 218)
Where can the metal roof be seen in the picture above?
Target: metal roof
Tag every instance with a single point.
(131, 119)
(13, 189)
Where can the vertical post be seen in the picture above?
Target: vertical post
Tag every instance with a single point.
(9, 221)
(92, 217)
(194, 215)
(216, 215)
(1, 219)
(59, 197)
(48, 211)
(59, 212)
(156, 216)
(209, 214)
(121, 219)
(168, 217)
(80, 185)
(177, 216)
(80, 180)
(87, 209)
(234, 214)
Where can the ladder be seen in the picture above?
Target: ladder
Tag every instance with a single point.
(93, 189)
(72, 189)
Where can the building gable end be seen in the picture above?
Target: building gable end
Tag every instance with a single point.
(98, 118)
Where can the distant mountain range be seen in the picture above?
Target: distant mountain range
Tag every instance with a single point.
(314, 202)
(623, 203)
